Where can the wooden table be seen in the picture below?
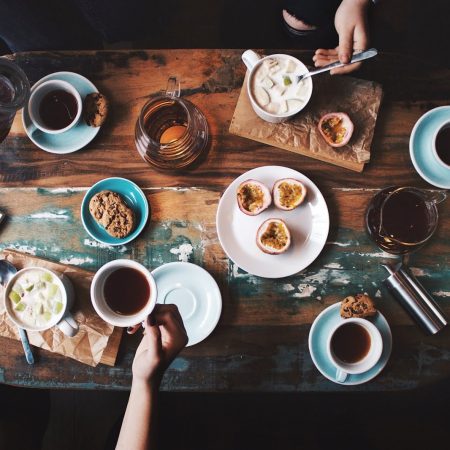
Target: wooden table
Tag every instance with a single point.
(260, 343)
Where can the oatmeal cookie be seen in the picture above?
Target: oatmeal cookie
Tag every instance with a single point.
(110, 211)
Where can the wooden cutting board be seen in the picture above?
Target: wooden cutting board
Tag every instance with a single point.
(96, 341)
(360, 99)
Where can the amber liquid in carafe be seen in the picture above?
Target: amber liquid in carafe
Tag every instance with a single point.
(405, 218)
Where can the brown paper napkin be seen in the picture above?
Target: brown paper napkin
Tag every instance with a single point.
(95, 342)
(360, 99)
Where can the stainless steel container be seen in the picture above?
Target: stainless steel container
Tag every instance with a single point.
(414, 298)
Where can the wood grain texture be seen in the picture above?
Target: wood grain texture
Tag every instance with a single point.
(261, 340)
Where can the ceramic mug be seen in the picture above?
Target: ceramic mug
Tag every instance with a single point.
(446, 127)
(63, 319)
(37, 95)
(253, 61)
(98, 296)
(368, 361)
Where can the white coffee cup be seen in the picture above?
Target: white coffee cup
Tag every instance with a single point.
(98, 297)
(64, 320)
(252, 60)
(435, 152)
(343, 369)
(37, 96)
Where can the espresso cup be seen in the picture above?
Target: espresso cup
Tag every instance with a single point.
(62, 319)
(441, 139)
(37, 95)
(100, 302)
(369, 346)
(253, 61)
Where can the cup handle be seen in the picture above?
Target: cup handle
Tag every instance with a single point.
(250, 58)
(173, 87)
(438, 197)
(68, 325)
(341, 376)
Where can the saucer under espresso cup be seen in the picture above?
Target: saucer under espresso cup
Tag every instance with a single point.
(123, 292)
(55, 106)
(272, 87)
(36, 299)
(422, 147)
(354, 346)
(72, 140)
(319, 333)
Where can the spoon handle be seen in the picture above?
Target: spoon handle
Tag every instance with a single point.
(26, 346)
(357, 57)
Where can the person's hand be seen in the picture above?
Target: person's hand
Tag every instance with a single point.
(164, 337)
(351, 24)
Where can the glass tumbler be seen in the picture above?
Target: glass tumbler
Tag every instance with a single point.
(171, 132)
(14, 93)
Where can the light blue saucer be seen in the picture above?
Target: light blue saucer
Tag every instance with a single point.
(78, 136)
(421, 143)
(196, 294)
(133, 197)
(318, 337)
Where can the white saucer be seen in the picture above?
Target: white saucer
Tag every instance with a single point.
(309, 225)
(196, 294)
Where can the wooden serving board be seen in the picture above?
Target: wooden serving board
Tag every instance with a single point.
(360, 99)
(96, 341)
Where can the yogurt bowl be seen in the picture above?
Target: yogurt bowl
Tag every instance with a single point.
(37, 299)
(272, 86)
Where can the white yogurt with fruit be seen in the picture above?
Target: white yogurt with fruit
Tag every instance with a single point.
(275, 88)
(36, 298)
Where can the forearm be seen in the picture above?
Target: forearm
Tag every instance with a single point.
(138, 423)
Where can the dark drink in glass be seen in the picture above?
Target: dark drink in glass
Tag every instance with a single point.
(14, 93)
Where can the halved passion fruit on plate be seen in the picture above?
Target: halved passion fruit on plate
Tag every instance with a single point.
(336, 128)
(273, 237)
(253, 197)
(288, 193)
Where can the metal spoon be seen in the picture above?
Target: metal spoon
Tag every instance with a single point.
(7, 271)
(361, 56)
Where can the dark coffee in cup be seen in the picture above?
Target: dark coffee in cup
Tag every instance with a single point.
(442, 145)
(126, 291)
(58, 109)
(351, 343)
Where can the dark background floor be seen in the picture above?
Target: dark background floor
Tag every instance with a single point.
(412, 420)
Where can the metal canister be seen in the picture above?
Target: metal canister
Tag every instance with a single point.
(414, 298)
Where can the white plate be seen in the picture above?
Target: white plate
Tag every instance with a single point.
(308, 224)
(196, 294)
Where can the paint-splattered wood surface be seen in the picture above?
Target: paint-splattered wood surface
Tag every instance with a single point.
(261, 340)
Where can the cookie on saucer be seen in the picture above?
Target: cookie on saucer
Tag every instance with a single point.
(95, 109)
(361, 305)
(110, 211)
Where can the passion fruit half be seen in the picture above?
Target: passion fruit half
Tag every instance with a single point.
(336, 128)
(253, 197)
(273, 237)
(288, 193)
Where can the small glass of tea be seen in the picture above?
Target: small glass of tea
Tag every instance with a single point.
(14, 93)
(401, 219)
(171, 132)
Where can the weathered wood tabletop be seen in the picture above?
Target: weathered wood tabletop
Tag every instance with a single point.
(260, 343)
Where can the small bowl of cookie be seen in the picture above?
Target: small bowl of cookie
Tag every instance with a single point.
(114, 211)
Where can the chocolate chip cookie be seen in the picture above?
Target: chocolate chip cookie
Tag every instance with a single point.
(95, 109)
(109, 210)
(361, 305)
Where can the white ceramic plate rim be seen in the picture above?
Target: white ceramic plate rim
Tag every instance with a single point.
(347, 383)
(254, 174)
(125, 240)
(204, 273)
(411, 149)
(95, 131)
